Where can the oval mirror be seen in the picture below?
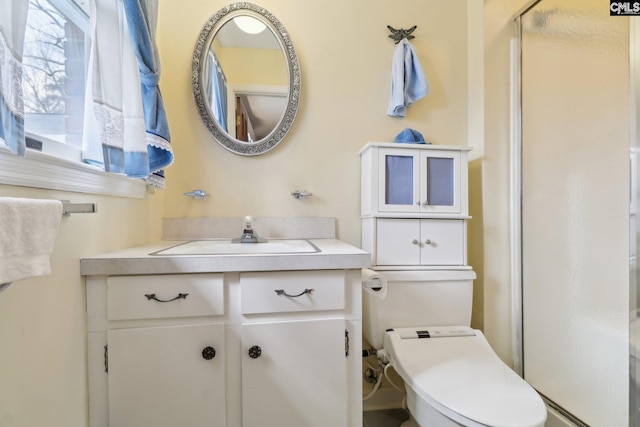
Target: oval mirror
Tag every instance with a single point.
(246, 78)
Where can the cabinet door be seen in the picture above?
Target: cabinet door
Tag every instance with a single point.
(398, 242)
(399, 185)
(300, 377)
(159, 376)
(440, 182)
(442, 242)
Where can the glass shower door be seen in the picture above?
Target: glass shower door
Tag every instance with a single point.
(575, 208)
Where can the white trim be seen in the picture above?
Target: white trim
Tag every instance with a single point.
(235, 89)
(267, 90)
(475, 78)
(56, 148)
(41, 170)
(73, 12)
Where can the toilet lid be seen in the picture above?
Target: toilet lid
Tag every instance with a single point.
(460, 375)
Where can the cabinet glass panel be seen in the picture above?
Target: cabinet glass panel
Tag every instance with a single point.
(399, 180)
(440, 181)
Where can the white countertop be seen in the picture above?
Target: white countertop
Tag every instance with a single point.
(334, 254)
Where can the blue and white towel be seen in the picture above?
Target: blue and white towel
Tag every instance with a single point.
(408, 82)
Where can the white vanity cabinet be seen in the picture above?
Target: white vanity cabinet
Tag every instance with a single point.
(414, 205)
(295, 345)
(400, 179)
(166, 376)
(294, 373)
(231, 349)
(156, 348)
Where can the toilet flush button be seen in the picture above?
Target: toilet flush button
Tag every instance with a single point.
(443, 333)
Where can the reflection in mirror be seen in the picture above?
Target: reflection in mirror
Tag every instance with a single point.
(246, 79)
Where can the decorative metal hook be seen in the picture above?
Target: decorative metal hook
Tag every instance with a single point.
(401, 33)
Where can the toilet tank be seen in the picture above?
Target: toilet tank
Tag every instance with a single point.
(415, 299)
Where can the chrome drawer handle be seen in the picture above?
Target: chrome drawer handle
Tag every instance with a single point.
(282, 292)
(153, 297)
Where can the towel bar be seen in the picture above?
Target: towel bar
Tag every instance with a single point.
(69, 208)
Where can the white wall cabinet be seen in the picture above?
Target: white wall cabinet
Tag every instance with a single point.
(426, 242)
(411, 179)
(260, 349)
(414, 205)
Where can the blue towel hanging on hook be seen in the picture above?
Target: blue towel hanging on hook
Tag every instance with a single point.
(408, 82)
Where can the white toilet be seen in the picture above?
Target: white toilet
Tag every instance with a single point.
(452, 376)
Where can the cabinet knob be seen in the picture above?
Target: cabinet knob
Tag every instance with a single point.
(208, 353)
(427, 242)
(255, 352)
(415, 242)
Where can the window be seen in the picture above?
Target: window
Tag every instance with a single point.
(55, 62)
(56, 52)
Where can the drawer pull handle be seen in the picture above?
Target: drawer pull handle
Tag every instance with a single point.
(255, 352)
(282, 292)
(155, 298)
(208, 353)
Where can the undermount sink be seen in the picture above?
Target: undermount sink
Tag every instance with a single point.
(226, 247)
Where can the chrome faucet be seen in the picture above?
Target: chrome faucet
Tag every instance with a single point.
(248, 235)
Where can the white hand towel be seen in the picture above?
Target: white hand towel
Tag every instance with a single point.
(28, 230)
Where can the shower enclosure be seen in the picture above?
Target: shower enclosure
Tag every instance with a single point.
(574, 210)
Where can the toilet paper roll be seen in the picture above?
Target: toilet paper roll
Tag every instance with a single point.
(374, 283)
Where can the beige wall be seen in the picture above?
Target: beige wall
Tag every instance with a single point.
(42, 320)
(239, 65)
(345, 56)
(498, 31)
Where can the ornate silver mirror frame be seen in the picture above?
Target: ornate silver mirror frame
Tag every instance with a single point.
(204, 44)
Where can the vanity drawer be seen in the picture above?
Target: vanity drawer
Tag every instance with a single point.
(164, 296)
(280, 292)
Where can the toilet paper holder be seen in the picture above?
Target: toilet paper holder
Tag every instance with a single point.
(372, 284)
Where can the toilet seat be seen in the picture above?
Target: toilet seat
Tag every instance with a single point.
(461, 377)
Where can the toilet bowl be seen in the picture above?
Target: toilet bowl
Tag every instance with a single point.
(454, 378)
